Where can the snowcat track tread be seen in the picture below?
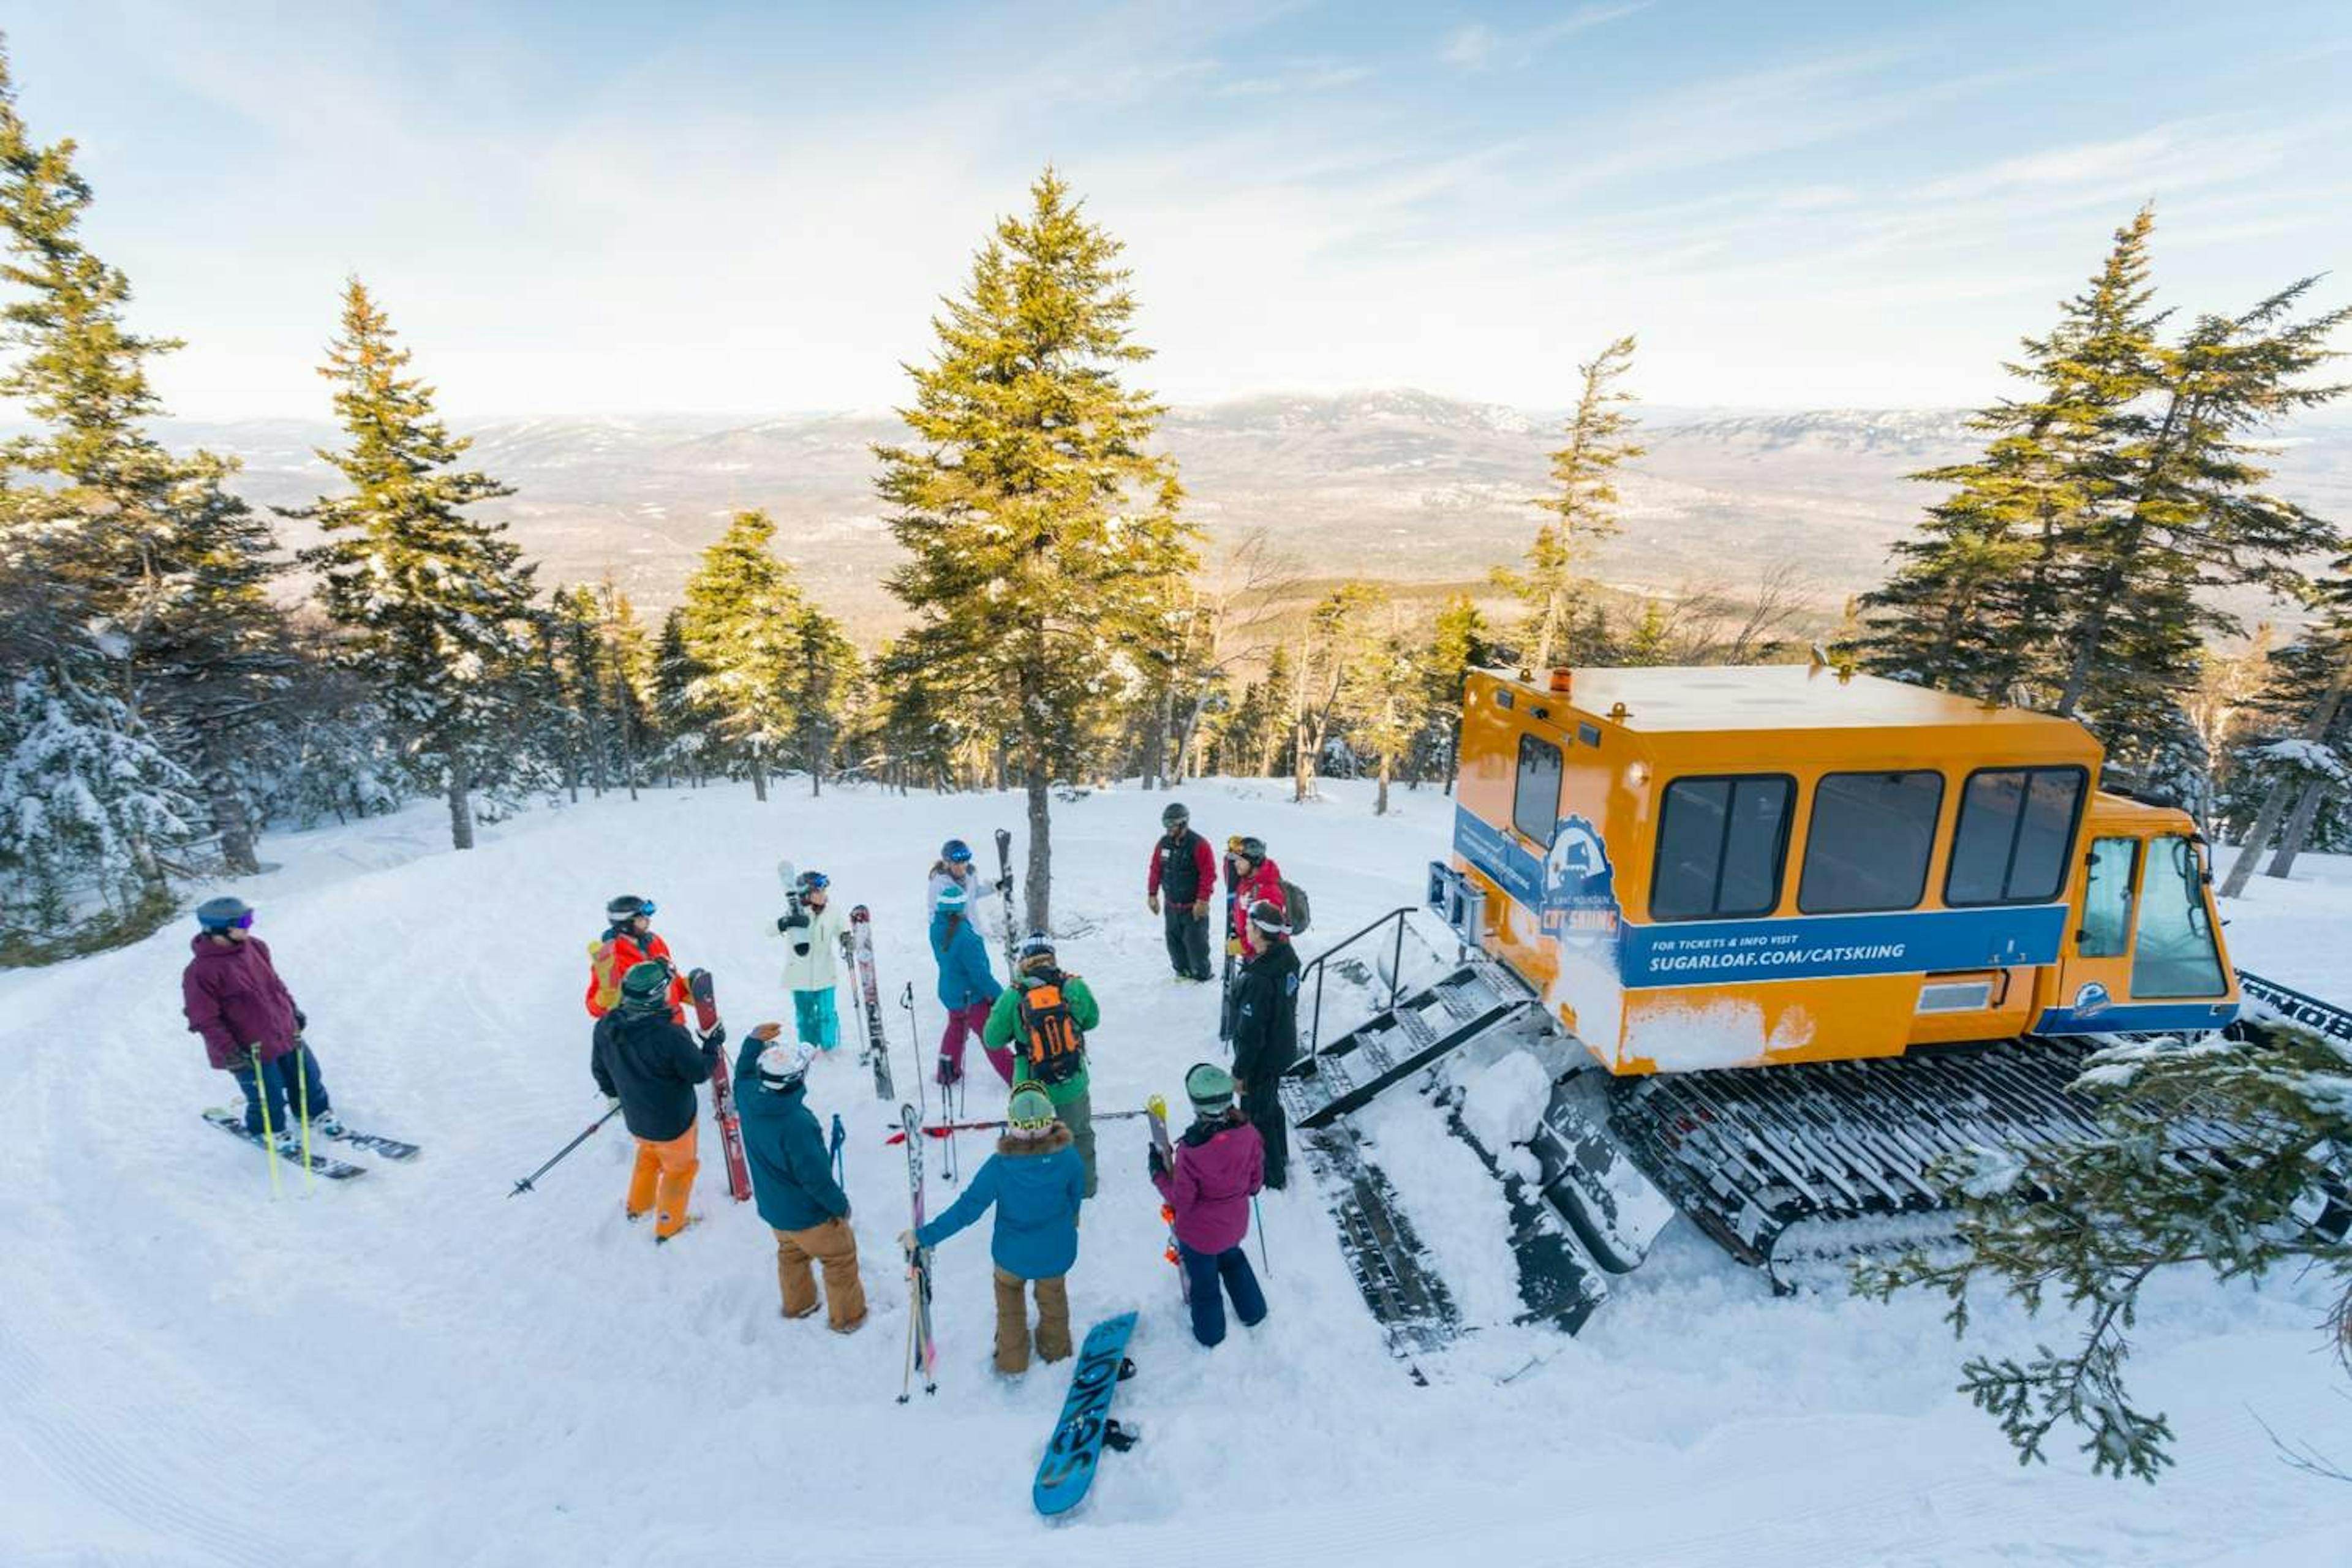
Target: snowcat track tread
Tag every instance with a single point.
(1560, 1282)
(1416, 1312)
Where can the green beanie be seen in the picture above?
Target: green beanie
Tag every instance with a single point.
(1029, 1114)
(646, 988)
(1209, 1088)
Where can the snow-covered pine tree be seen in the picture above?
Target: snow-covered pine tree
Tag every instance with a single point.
(739, 623)
(2301, 757)
(1042, 533)
(2084, 1227)
(1384, 701)
(1973, 605)
(628, 660)
(1331, 647)
(1584, 510)
(436, 605)
(821, 683)
(685, 724)
(1459, 642)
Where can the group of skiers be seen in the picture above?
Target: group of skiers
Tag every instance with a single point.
(1032, 1032)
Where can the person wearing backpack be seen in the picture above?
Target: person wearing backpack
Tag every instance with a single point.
(1184, 873)
(1266, 1032)
(1250, 876)
(1217, 1166)
(1032, 1180)
(968, 989)
(1043, 1016)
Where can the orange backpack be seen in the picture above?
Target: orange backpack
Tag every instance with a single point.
(1055, 1046)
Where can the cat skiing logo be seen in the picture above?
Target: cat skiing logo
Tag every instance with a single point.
(1579, 886)
(2092, 998)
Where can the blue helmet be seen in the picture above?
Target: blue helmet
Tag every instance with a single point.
(955, 852)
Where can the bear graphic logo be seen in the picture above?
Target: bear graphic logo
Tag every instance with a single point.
(1579, 885)
(2092, 998)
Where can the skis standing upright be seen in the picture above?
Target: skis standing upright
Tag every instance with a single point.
(1004, 891)
(1225, 975)
(1156, 1109)
(870, 998)
(722, 1089)
(921, 1350)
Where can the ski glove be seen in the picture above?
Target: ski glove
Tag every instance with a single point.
(1154, 1162)
(796, 921)
(1233, 947)
(716, 1039)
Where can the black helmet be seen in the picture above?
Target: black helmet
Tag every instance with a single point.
(1174, 814)
(1254, 850)
(627, 907)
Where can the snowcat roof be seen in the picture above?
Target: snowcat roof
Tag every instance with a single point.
(1783, 698)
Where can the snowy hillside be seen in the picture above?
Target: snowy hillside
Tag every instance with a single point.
(415, 1369)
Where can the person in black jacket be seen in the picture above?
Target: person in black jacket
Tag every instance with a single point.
(648, 1061)
(1266, 1031)
(1184, 874)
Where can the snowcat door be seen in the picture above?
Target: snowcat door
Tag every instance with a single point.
(2175, 958)
(2098, 951)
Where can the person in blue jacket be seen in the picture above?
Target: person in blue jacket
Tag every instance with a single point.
(1035, 1181)
(968, 988)
(792, 1177)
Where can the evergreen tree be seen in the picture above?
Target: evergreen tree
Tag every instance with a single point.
(1584, 509)
(1459, 643)
(1651, 640)
(436, 605)
(1042, 534)
(628, 657)
(1330, 651)
(1384, 701)
(741, 614)
(686, 721)
(2087, 1225)
(821, 686)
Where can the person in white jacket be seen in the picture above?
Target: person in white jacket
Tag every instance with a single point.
(814, 933)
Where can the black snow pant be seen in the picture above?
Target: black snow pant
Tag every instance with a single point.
(1262, 1103)
(1188, 940)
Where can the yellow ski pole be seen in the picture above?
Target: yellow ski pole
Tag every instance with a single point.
(269, 1141)
(303, 1092)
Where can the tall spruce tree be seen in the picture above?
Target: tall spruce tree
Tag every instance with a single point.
(1042, 533)
(741, 611)
(1584, 510)
(436, 605)
(683, 717)
(821, 683)
(1459, 643)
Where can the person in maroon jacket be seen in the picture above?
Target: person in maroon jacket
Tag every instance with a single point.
(250, 1026)
(1184, 874)
(1220, 1163)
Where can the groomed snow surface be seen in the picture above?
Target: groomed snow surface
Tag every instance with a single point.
(415, 1369)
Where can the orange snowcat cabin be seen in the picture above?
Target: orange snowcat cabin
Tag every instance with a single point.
(1714, 868)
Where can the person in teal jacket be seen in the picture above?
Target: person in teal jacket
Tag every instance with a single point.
(1044, 1016)
(967, 986)
(792, 1177)
(1034, 1182)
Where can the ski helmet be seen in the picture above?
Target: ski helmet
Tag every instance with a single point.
(1252, 850)
(1036, 948)
(1174, 814)
(1209, 1088)
(1269, 916)
(627, 907)
(956, 852)
(221, 913)
(810, 881)
(954, 899)
(646, 988)
(1029, 1114)
(783, 1065)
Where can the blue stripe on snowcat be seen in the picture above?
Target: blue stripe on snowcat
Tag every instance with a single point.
(2138, 1017)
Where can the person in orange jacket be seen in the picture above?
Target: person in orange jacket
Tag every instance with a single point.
(628, 941)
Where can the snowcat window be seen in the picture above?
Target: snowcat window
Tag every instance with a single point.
(2016, 825)
(1535, 801)
(1868, 846)
(2105, 930)
(1721, 846)
(2174, 954)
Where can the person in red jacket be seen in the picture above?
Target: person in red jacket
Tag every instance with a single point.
(1250, 878)
(1183, 872)
(250, 1025)
(628, 941)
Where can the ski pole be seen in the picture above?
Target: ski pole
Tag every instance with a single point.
(840, 1137)
(525, 1184)
(269, 1141)
(1258, 1222)
(302, 1095)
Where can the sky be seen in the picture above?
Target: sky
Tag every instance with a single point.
(625, 208)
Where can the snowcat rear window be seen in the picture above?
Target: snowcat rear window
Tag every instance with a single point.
(2016, 828)
(1535, 800)
(1867, 849)
(1722, 843)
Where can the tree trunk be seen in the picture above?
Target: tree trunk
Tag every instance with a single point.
(229, 819)
(758, 778)
(1040, 899)
(2266, 821)
(461, 803)
(1302, 761)
(1380, 802)
(2298, 828)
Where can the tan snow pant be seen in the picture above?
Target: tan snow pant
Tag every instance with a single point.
(834, 1245)
(1013, 1322)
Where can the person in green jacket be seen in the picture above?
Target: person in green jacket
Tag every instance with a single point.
(1043, 1016)
(792, 1177)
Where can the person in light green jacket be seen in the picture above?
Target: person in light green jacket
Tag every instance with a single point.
(1043, 1016)
(813, 933)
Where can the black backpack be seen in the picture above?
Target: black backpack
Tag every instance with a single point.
(1293, 906)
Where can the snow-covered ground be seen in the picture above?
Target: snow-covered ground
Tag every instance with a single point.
(415, 1369)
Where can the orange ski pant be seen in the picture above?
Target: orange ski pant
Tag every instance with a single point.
(662, 1180)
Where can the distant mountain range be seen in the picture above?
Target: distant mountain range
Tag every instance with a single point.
(1392, 484)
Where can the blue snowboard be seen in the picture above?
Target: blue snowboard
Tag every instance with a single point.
(1068, 1466)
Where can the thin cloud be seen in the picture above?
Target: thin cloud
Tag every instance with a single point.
(1477, 47)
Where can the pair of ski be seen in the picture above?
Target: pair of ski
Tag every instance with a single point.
(231, 1120)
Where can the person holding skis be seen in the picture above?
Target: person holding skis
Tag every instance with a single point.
(628, 941)
(1043, 1016)
(1250, 876)
(1184, 873)
(968, 988)
(1034, 1181)
(813, 931)
(1220, 1163)
(1266, 1031)
(646, 1059)
(251, 1028)
(953, 868)
(792, 1177)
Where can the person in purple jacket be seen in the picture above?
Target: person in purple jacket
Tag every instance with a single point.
(1220, 1166)
(250, 1025)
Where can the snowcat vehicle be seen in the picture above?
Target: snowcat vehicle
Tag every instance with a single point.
(1778, 938)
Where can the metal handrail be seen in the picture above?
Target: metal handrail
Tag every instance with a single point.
(1395, 917)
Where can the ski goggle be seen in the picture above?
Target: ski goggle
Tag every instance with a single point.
(812, 881)
(644, 909)
(242, 923)
(959, 855)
